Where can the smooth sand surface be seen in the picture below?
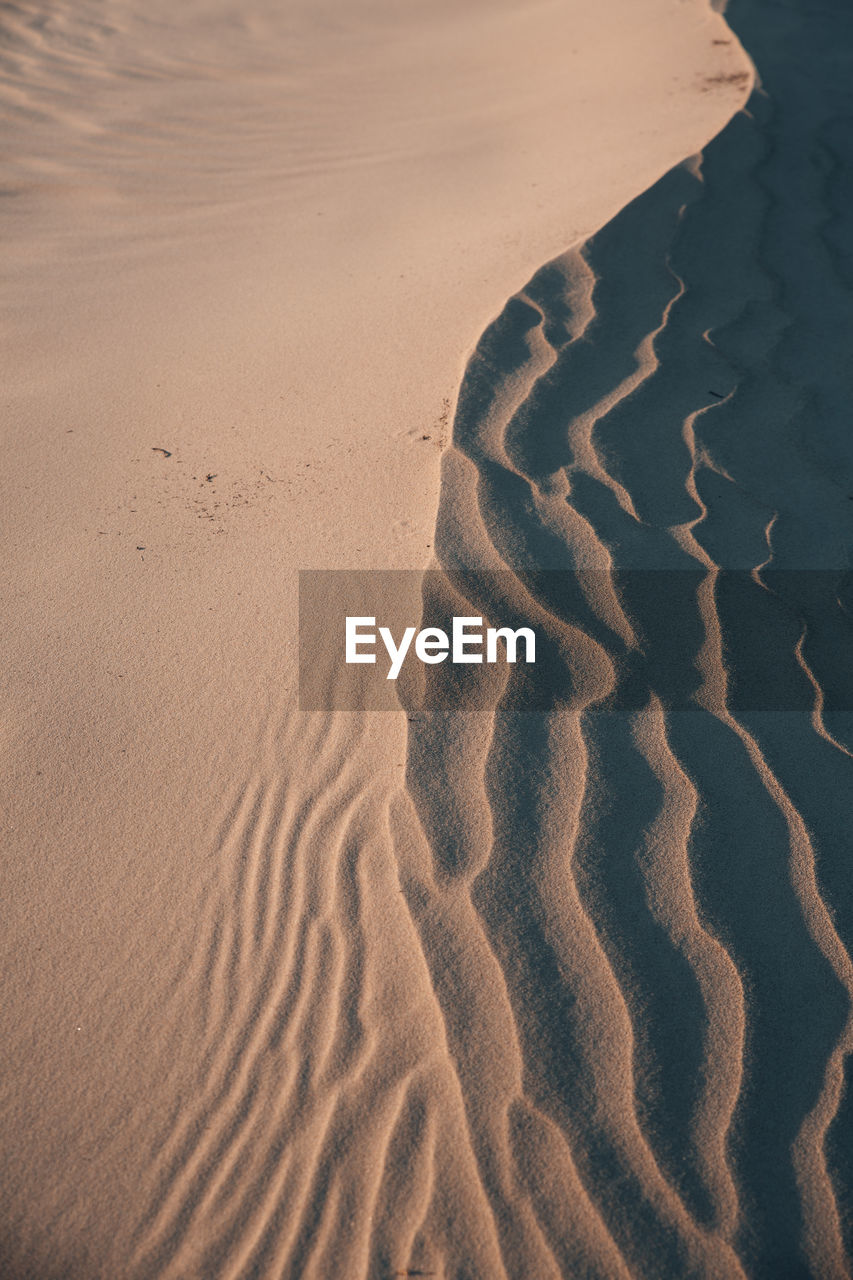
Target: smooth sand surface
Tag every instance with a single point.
(303, 994)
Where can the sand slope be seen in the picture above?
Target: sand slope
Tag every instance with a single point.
(493, 995)
(662, 897)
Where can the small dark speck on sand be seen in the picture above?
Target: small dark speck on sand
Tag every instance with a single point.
(165, 452)
(211, 476)
(736, 78)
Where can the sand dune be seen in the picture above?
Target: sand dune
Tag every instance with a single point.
(518, 992)
(664, 892)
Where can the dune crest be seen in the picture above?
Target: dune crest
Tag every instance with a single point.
(664, 890)
(512, 993)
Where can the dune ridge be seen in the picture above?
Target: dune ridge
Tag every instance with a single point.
(501, 994)
(664, 891)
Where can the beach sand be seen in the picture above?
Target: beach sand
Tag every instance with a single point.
(516, 287)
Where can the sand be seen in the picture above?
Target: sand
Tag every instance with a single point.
(515, 286)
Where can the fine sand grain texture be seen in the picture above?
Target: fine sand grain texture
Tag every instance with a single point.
(563, 993)
(664, 896)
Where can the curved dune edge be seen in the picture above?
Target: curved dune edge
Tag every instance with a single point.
(576, 1001)
(662, 895)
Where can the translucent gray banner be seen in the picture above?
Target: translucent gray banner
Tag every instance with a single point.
(742, 640)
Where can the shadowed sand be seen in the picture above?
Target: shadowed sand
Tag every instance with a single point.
(505, 994)
(666, 894)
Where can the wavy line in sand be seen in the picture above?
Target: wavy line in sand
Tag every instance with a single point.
(619, 1034)
(629, 409)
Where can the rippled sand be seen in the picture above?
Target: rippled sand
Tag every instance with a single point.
(502, 993)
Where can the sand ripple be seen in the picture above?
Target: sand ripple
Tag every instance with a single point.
(661, 898)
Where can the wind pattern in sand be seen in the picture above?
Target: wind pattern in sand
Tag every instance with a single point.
(575, 1000)
(665, 895)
